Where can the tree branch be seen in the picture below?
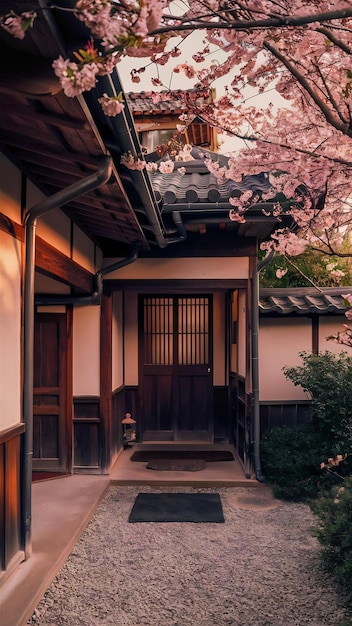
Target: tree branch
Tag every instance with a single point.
(330, 118)
(240, 25)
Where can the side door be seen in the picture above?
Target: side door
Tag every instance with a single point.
(176, 372)
(51, 414)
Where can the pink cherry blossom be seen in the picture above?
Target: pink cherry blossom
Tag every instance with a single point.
(17, 25)
(167, 167)
(286, 49)
(111, 105)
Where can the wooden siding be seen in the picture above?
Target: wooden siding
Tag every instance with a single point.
(221, 414)
(118, 411)
(86, 428)
(279, 414)
(10, 499)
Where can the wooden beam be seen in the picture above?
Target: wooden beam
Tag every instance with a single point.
(11, 228)
(105, 381)
(37, 148)
(57, 265)
(47, 118)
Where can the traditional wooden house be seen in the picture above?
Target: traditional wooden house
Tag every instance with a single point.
(120, 292)
(156, 120)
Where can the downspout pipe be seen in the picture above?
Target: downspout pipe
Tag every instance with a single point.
(255, 365)
(62, 197)
(95, 297)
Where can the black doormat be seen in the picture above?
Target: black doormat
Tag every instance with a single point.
(37, 476)
(144, 456)
(176, 465)
(177, 507)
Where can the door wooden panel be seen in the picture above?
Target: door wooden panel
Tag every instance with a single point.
(176, 375)
(50, 419)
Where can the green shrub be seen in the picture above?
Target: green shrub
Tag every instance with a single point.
(327, 378)
(291, 458)
(334, 531)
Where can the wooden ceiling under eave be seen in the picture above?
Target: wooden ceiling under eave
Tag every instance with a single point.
(55, 140)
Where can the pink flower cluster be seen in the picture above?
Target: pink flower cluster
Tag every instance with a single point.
(17, 25)
(111, 105)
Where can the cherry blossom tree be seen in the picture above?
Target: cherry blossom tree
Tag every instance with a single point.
(300, 51)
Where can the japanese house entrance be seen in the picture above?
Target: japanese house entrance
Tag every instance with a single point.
(176, 368)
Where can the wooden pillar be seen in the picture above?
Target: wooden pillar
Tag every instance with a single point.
(105, 382)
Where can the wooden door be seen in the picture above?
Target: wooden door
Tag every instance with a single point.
(176, 377)
(51, 443)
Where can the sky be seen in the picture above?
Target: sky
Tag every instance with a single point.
(175, 81)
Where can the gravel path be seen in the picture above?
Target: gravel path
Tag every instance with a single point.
(260, 568)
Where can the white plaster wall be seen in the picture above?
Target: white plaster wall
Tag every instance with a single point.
(280, 341)
(117, 341)
(195, 268)
(242, 333)
(330, 326)
(47, 285)
(219, 331)
(55, 228)
(83, 250)
(86, 351)
(131, 338)
(10, 331)
(10, 190)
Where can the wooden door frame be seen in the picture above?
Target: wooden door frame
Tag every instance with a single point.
(67, 409)
(174, 296)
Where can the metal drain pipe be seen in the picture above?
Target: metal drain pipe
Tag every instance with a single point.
(62, 197)
(255, 365)
(93, 298)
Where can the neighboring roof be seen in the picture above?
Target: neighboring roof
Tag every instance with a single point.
(196, 195)
(303, 301)
(171, 102)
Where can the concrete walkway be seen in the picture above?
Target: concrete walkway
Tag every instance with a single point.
(62, 508)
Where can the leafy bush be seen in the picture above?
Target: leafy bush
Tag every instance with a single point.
(291, 458)
(327, 378)
(334, 531)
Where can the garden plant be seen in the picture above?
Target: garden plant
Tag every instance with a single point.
(313, 461)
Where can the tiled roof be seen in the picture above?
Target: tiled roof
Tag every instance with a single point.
(303, 301)
(171, 102)
(199, 185)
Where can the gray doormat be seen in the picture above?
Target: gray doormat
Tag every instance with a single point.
(177, 507)
(144, 456)
(177, 465)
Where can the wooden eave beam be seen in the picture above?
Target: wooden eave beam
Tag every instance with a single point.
(51, 261)
(37, 148)
(57, 265)
(47, 118)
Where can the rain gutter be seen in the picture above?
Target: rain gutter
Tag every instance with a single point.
(124, 128)
(95, 297)
(255, 366)
(60, 198)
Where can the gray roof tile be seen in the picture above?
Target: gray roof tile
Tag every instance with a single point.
(303, 301)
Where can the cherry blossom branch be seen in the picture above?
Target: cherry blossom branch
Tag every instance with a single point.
(330, 118)
(245, 25)
(335, 40)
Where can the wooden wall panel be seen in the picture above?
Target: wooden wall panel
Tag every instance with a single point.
(118, 411)
(10, 497)
(283, 414)
(86, 439)
(222, 415)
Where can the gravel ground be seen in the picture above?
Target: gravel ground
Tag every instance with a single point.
(260, 568)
